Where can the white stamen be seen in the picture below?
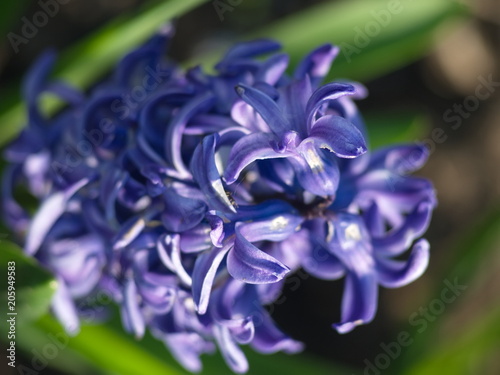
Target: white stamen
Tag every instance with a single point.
(142, 203)
(279, 223)
(189, 304)
(131, 234)
(331, 231)
(352, 232)
(314, 161)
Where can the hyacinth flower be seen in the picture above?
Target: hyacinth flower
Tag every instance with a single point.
(239, 65)
(308, 142)
(379, 213)
(189, 197)
(245, 262)
(77, 256)
(30, 154)
(353, 246)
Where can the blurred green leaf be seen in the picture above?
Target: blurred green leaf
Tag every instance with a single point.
(374, 38)
(473, 248)
(111, 350)
(89, 59)
(471, 251)
(82, 64)
(34, 286)
(388, 43)
(384, 129)
(464, 354)
(33, 343)
(299, 364)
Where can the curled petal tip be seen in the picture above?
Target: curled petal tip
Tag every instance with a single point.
(361, 150)
(347, 327)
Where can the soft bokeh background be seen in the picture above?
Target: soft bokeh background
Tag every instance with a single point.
(420, 66)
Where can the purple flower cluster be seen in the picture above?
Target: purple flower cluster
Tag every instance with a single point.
(189, 197)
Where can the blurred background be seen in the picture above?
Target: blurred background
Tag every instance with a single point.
(432, 69)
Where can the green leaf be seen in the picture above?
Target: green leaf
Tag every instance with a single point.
(469, 253)
(404, 37)
(476, 245)
(110, 350)
(385, 129)
(464, 354)
(298, 364)
(94, 56)
(91, 58)
(33, 285)
(39, 346)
